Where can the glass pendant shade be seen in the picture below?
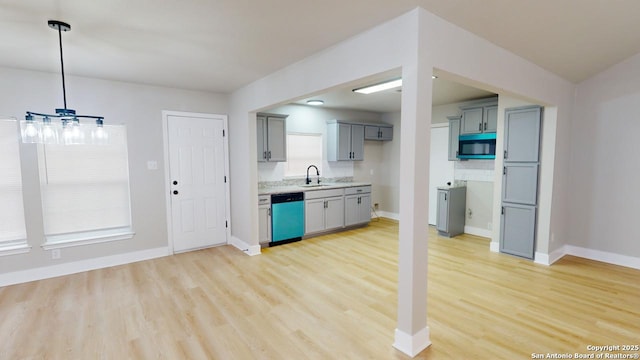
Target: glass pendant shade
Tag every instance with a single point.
(30, 131)
(99, 134)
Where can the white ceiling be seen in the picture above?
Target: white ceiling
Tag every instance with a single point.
(221, 45)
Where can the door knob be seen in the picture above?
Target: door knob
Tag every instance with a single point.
(175, 192)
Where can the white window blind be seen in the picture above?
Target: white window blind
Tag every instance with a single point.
(303, 150)
(13, 232)
(85, 190)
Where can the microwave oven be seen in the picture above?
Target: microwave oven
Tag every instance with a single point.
(477, 146)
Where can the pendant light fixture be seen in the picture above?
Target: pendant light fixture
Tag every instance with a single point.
(39, 127)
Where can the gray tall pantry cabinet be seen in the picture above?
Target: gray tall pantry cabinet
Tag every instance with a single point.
(520, 180)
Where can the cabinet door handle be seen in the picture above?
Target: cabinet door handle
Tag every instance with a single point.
(504, 170)
(445, 196)
(269, 155)
(505, 154)
(269, 211)
(485, 126)
(480, 127)
(264, 154)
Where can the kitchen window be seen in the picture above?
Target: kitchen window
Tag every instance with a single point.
(85, 192)
(13, 233)
(303, 150)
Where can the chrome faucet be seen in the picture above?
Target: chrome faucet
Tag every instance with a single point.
(317, 173)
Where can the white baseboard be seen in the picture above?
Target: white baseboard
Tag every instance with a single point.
(548, 259)
(52, 271)
(607, 257)
(477, 231)
(494, 246)
(250, 250)
(388, 215)
(412, 345)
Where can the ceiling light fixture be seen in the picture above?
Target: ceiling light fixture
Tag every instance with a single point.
(315, 102)
(379, 87)
(69, 130)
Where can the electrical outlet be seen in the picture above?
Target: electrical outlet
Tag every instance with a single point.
(375, 206)
(55, 254)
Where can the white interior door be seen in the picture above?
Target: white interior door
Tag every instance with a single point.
(440, 168)
(197, 175)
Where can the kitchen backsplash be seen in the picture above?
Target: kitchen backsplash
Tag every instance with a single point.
(474, 170)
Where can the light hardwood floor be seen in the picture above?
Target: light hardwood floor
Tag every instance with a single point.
(330, 297)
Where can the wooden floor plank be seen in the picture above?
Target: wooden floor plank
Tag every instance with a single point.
(327, 297)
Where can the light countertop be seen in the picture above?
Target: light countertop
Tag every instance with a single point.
(302, 188)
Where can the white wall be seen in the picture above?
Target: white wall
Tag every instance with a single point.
(604, 197)
(139, 107)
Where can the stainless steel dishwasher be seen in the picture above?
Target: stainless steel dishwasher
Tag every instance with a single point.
(287, 218)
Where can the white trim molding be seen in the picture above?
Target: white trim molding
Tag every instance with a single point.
(250, 250)
(477, 231)
(46, 272)
(412, 345)
(548, 259)
(604, 256)
(86, 238)
(494, 246)
(388, 215)
(15, 249)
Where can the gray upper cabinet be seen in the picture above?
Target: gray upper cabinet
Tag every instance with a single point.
(479, 118)
(491, 123)
(522, 134)
(345, 141)
(471, 121)
(454, 135)
(378, 132)
(272, 137)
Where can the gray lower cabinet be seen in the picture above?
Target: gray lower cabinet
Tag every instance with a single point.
(324, 210)
(518, 230)
(451, 211)
(264, 219)
(520, 181)
(357, 205)
(454, 137)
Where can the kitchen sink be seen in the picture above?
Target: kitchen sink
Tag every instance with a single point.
(315, 185)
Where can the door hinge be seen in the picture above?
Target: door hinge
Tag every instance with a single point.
(504, 170)
(502, 212)
(505, 154)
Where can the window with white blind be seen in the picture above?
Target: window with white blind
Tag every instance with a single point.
(303, 150)
(85, 191)
(13, 233)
